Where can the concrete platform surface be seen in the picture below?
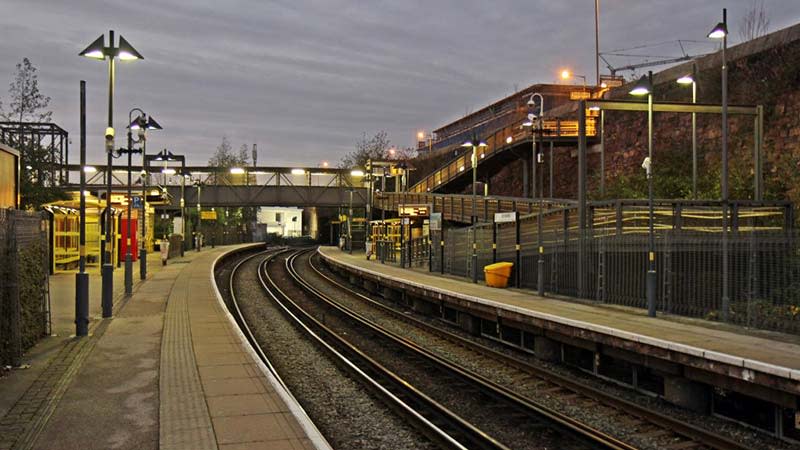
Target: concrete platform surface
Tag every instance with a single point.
(170, 370)
(770, 353)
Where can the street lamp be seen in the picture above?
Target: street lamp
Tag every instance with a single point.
(141, 124)
(686, 80)
(199, 185)
(566, 74)
(422, 137)
(529, 122)
(125, 52)
(474, 143)
(645, 87)
(720, 31)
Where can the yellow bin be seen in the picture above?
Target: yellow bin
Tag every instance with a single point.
(497, 274)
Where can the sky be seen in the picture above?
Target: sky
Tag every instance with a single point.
(304, 80)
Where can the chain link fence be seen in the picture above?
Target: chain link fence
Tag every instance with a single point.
(24, 294)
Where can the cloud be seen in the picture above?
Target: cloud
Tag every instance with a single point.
(304, 79)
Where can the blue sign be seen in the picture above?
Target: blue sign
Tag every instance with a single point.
(137, 202)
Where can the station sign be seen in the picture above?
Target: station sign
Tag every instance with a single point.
(612, 81)
(414, 210)
(505, 217)
(435, 222)
(208, 215)
(580, 95)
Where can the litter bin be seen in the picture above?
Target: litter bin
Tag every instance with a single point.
(497, 274)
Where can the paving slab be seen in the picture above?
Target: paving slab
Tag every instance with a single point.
(170, 370)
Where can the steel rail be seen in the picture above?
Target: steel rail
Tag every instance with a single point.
(475, 439)
(683, 429)
(584, 432)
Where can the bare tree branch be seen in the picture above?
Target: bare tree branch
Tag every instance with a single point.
(755, 22)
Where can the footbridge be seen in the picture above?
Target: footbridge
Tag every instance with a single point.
(222, 187)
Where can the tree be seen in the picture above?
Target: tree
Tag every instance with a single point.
(375, 148)
(755, 22)
(27, 102)
(224, 158)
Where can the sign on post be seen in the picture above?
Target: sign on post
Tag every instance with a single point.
(505, 217)
(208, 215)
(414, 210)
(580, 95)
(137, 202)
(612, 81)
(435, 222)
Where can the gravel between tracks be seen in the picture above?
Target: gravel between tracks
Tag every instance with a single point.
(504, 423)
(596, 417)
(343, 411)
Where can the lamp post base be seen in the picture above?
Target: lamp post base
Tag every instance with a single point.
(128, 273)
(142, 264)
(651, 293)
(81, 304)
(107, 299)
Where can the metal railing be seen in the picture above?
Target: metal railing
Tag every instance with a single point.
(607, 261)
(496, 142)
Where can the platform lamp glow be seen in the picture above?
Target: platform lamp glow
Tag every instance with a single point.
(475, 144)
(645, 87)
(125, 52)
(529, 123)
(142, 126)
(687, 80)
(720, 31)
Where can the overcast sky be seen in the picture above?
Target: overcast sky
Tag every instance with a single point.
(305, 79)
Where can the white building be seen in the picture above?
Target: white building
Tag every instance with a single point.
(283, 220)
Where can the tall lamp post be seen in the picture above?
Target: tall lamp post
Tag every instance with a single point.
(199, 185)
(529, 123)
(125, 52)
(691, 79)
(720, 31)
(82, 278)
(474, 143)
(142, 125)
(645, 87)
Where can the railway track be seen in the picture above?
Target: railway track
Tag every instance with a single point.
(491, 409)
(411, 380)
(675, 433)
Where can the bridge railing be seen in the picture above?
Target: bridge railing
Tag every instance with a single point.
(497, 142)
(458, 208)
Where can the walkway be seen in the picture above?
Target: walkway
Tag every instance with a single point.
(169, 371)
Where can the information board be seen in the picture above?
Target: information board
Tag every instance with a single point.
(505, 217)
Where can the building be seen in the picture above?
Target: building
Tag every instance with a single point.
(283, 221)
(9, 177)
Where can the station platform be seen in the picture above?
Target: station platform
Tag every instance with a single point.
(765, 365)
(170, 370)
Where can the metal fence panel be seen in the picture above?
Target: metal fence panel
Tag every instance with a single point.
(24, 299)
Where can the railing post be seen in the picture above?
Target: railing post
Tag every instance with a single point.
(582, 220)
(494, 241)
(441, 250)
(517, 254)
